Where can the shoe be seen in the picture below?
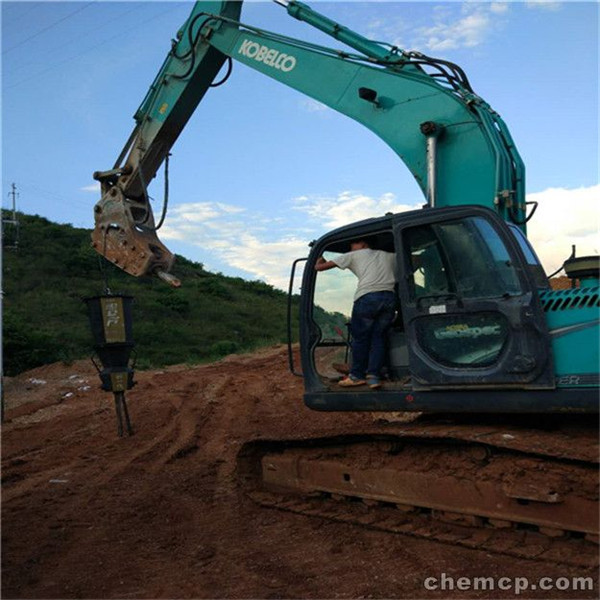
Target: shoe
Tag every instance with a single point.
(342, 368)
(351, 382)
(373, 382)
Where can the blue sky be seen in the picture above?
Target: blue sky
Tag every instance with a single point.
(261, 170)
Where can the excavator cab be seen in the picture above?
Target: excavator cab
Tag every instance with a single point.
(469, 316)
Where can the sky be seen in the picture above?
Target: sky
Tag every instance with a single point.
(261, 170)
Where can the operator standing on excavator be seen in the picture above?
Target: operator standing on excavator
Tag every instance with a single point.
(373, 310)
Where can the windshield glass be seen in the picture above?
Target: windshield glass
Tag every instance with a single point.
(466, 257)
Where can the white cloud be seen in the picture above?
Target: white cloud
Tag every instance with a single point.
(543, 4)
(313, 106)
(348, 207)
(499, 8)
(565, 217)
(199, 212)
(94, 187)
(255, 244)
(265, 246)
(454, 25)
(269, 261)
(467, 32)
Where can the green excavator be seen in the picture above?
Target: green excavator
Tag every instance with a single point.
(492, 375)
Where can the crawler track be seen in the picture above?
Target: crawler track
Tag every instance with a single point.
(503, 487)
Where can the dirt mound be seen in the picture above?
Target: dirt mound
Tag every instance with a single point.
(160, 515)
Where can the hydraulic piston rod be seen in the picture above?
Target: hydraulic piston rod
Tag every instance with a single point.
(432, 132)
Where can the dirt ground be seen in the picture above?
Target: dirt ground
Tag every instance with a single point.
(86, 514)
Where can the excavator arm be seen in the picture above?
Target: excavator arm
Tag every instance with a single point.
(125, 230)
(457, 148)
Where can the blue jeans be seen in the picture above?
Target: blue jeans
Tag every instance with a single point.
(372, 316)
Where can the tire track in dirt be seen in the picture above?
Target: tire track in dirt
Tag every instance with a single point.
(161, 515)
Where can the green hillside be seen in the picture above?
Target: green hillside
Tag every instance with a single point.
(54, 268)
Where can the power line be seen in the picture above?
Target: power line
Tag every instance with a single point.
(9, 20)
(98, 45)
(79, 212)
(53, 196)
(48, 27)
(85, 34)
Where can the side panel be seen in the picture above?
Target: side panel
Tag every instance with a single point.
(573, 318)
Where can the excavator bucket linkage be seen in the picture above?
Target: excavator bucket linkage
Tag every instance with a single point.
(132, 247)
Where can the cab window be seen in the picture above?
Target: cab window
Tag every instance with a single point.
(465, 257)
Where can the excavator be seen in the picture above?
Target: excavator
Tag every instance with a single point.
(488, 427)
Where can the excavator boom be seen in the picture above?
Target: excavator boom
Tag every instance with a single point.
(457, 148)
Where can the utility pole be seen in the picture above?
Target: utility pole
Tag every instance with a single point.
(14, 222)
(13, 245)
(1, 336)
(13, 193)
(1, 322)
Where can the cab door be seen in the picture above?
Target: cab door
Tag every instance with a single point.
(470, 306)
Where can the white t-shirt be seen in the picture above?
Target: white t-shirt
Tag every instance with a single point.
(375, 270)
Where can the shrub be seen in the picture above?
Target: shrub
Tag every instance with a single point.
(224, 347)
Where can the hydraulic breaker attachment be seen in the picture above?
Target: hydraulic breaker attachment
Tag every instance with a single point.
(121, 239)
